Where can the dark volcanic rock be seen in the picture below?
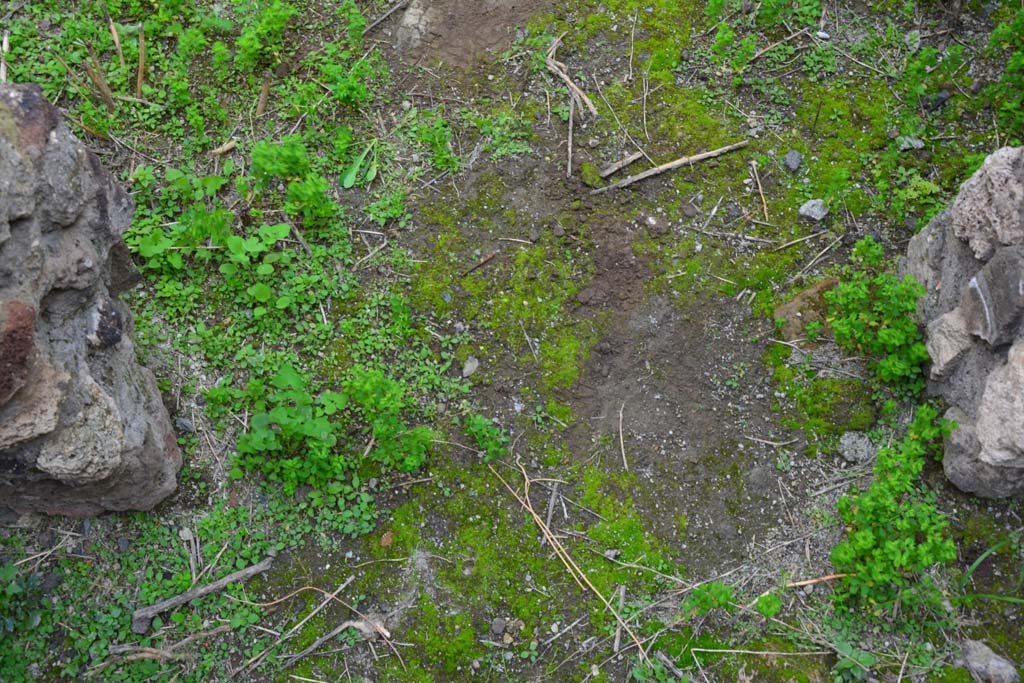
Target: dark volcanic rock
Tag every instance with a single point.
(82, 426)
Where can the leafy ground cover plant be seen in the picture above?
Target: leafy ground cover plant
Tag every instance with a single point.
(895, 533)
(871, 311)
(25, 620)
(262, 39)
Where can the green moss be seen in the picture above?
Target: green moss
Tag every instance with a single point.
(447, 638)
(559, 410)
(950, 674)
(622, 529)
(519, 293)
(560, 360)
(662, 30)
(591, 175)
(782, 669)
(553, 455)
(825, 408)
(436, 276)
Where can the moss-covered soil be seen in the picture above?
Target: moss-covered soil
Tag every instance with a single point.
(651, 412)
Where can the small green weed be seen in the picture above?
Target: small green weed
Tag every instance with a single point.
(261, 43)
(490, 438)
(871, 312)
(505, 133)
(25, 620)
(895, 533)
(653, 672)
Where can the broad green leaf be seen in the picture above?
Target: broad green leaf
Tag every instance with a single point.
(288, 378)
(273, 233)
(349, 179)
(260, 292)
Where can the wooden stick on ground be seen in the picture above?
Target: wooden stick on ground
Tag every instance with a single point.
(482, 262)
(78, 81)
(618, 122)
(142, 61)
(618, 628)
(622, 442)
(384, 16)
(760, 190)
(95, 72)
(568, 161)
(363, 627)
(820, 579)
(225, 148)
(326, 601)
(113, 34)
(766, 442)
(551, 508)
(801, 584)
(798, 240)
(620, 164)
(678, 163)
(817, 258)
(4, 47)
(261, 104)
(559, 69)
(142, 618)
(762, 52)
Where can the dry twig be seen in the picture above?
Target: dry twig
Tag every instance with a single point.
(142, 61)
(568, 147)
(5, 45)
(672, 165)
(798, 240)
(225, 148)
(381, 18)
(143, 617)
(482, 262)
(559, 69)
(95, 73)
(113, 34)
(574, 570)
(620, 164)
(762, 52)
(622, 442)
(261, 103)
(760, 190)
(618, 628)
(766, 442)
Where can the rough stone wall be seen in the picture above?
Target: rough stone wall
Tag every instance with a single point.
(82, 426)
(970, 258)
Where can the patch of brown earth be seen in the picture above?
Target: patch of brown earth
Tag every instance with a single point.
(457, 32)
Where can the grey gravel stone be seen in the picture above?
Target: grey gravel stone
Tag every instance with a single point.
(793, 159)
(471, 365)
(907, 143)
(856, 447)
(985, 665)
(814, 210)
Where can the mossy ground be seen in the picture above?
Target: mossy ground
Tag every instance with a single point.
(625, 345)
